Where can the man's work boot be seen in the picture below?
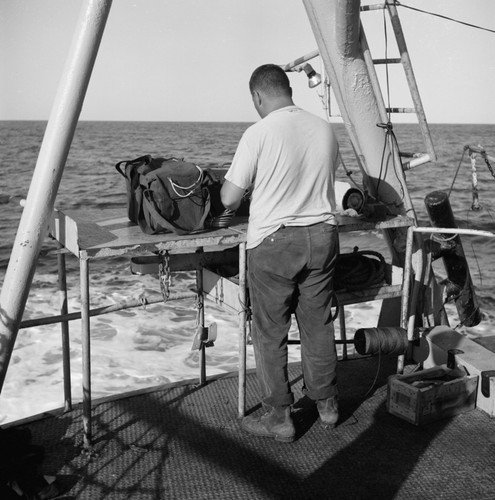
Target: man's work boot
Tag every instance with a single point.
(275, 423)
(329, 411)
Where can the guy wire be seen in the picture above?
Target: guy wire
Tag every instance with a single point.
(396, 2)
(456, 172)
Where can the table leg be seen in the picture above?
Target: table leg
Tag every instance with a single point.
(201, 324)
(343, 331)
(242, 329)
(62, 287)
(86, 351)
(406, 287)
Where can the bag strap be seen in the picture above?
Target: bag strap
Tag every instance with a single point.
(146, 158)
(207, 209)
(208, 177)
(157, 216)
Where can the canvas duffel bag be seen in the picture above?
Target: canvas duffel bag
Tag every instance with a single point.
(166, 194)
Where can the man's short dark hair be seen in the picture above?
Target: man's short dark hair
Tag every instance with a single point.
(271, 79)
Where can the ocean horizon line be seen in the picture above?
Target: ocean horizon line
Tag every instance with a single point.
(7, 120)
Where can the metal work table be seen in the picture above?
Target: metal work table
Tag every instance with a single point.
(111, 234)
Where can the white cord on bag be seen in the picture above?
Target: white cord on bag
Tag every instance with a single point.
(192, 187)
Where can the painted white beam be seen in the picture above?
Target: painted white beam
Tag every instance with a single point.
(48, 173)
(342, 46)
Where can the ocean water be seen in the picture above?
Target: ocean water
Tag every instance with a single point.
(139, 347)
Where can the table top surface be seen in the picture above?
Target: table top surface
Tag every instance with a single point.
(110, 233)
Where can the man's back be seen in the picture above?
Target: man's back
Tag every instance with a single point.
(292, 156)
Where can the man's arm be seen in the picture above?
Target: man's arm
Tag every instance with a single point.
(231, 195)
(338, 162)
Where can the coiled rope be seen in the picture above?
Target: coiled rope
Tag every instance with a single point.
(359, 269)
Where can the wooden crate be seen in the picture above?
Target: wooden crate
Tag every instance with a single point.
(431, 394)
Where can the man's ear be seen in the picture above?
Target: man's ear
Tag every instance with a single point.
(256, 98)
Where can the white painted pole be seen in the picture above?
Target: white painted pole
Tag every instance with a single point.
(48, 173)
(337, 28)
(242, 329)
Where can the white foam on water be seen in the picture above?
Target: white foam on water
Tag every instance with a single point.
(134, 348)
(131, 349)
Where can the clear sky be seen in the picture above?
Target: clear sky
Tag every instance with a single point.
(190, 60)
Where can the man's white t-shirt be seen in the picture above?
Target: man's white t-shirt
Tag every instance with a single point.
(289, 158)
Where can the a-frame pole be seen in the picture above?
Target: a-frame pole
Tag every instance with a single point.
(48, 173)
(336, 27)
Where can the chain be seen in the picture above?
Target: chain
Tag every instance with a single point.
(476, 204)
(198, 304)
(488, 164)
(164, 275)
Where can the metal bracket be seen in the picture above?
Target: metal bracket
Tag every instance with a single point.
(204, 335)
(451, 361)
(486, 377)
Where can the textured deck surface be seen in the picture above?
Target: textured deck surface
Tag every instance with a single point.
(184, 442)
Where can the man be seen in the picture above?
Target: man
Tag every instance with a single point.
(288, 159)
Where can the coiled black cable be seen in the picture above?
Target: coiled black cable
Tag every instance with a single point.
(359, 269)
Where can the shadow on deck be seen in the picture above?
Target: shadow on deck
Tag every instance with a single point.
(184, 442)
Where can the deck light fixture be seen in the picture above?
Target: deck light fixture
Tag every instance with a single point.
(314, 78)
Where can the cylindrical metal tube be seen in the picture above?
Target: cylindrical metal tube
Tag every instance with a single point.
(450, 249)
(64, 325)
(242, 329)
(86, 351)
(201, 323)
(48, 173)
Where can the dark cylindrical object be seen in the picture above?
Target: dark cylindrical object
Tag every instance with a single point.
(385, 340)
(460, 285)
